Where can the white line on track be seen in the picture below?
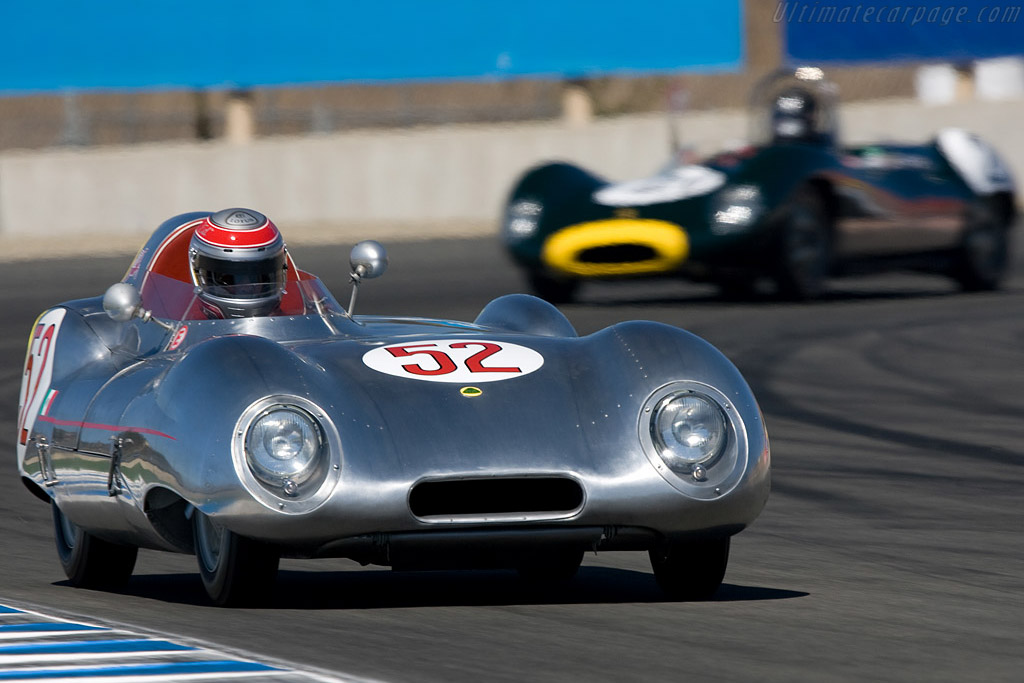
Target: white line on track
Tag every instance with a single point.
(195, 653)
(82, 656)
(215, 676)
(24, 635)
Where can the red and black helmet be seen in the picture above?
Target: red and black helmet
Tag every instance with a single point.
(238, 261)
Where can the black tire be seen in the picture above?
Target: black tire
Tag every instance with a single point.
(235, 570)
(804, 247)
(737, 287)
(553, 290)
(983, 257)
(88, 561)
(551, 567)
(691, 570)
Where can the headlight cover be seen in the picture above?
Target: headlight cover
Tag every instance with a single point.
(736, 209)
(284, 447)
(695, 437)
(287, 453)
(522, 218)
(689, 430)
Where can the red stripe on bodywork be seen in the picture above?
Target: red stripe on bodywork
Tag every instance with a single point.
(111, 428)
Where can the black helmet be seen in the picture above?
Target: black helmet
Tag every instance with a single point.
(795, 116)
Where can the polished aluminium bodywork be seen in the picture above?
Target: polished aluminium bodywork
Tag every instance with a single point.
(132, 426)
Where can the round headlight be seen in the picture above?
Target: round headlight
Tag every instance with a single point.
(688, 429)
(737, 208)
(285, 448)
(522, 218)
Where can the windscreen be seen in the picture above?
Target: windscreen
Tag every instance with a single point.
(175, 300)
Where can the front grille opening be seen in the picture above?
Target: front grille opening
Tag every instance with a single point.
(510, 495)
(617, 253)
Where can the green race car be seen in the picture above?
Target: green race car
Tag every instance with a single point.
(795, 208)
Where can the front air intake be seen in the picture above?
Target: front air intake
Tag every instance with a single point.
(618, 253)
(495, 496)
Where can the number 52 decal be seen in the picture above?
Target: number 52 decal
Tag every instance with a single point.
(454, 360)
(35, 381)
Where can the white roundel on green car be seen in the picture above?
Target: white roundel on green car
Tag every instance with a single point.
(673, 184)
(462, 361)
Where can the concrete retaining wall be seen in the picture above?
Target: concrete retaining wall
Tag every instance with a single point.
(426, 182)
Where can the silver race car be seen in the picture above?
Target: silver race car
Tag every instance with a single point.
(158, 416)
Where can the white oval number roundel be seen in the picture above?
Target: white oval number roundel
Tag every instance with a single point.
(461, 361)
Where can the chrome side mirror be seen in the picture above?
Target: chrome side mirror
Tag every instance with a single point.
(368, 259)
(122, 302)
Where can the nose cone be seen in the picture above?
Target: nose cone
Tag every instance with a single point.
(560, 417)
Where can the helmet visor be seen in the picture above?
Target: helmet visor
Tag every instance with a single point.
(257, 279)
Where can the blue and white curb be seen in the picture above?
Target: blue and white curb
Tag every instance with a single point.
(39, 647)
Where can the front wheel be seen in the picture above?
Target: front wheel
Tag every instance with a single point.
(551, 289)
(88, 561)
(737, 287)
(804, 247)
(983, 257)
(691, 570)
(235, 570)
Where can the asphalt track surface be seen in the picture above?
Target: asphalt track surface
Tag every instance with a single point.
(891, 547)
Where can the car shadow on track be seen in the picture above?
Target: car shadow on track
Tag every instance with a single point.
(378, 589)
(833, 296)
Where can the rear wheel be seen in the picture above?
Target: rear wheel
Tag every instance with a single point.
(983, 257)
(235, 570)
(691, 570)
(552, 289)
(88, 561)
(804, 247)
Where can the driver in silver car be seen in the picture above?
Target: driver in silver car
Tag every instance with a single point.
(239, 264)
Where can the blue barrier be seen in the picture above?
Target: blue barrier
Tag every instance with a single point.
(852, 31)
(146, 44)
